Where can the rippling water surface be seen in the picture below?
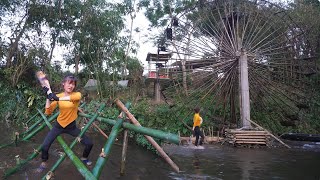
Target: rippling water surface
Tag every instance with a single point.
(212, 162)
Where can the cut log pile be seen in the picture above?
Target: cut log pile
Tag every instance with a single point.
(247, 137)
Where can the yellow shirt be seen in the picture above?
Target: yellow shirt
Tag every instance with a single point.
(196, 120)
(68, 109)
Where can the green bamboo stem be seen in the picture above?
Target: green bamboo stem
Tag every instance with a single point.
(75, 160)
(22, 163)
(107, 147)
(32, 127)
(39, 128)
(34, 154)
(32, 117)
(106, 150)
(33, 133)
(60, 160)
(173, 138)
(6, 145)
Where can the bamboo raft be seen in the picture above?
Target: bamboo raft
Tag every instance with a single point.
(247, 137)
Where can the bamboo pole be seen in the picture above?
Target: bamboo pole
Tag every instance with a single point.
(36, 151)
(95, 125)
(75, 160)
(269, 133)
(33, 133)
(150, 139)
(32, 127)
(124, 148)
(39, 128)
(173, 138)
(22, 163)
(74, 142)
(32, 117)
(107, 147)
(106, 150)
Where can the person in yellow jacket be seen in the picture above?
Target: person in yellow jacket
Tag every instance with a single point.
(68, 103)
(197, 121)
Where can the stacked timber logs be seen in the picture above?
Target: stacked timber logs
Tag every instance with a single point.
(247, 137)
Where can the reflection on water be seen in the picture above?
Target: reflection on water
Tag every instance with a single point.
(223, 162)
(213, 162)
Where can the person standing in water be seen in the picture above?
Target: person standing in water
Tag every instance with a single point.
(68, 103)
(197, 121)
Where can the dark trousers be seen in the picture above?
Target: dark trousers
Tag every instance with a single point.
(70, 129)
(198, 133)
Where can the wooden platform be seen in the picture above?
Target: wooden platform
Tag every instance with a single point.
(247, 137)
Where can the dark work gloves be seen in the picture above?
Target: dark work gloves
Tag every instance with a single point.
(45, 89)
(52, 97)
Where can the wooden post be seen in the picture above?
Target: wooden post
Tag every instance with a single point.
(157, 81)
(124, 148)
(124, 152)
(149, 138)
(244, 87)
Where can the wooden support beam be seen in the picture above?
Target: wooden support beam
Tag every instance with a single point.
(270, 134)
(149, 138)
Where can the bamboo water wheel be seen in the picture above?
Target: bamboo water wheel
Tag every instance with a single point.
(215, 42)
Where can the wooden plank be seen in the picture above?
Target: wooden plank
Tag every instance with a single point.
(254, 136)
(270, 134)
(244, 142)
(258, 140)
(251, 137)
(239, 131)
(250, 134)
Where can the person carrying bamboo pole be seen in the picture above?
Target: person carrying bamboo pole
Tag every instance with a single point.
(68, 103)
(197, 121)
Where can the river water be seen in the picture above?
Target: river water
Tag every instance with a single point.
(213, 162)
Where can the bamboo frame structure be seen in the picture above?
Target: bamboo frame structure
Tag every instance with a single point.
(84, 171)
(60, 160)
(74, 159)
